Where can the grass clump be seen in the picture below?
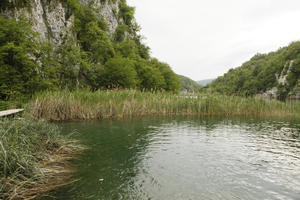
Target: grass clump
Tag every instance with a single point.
(82, 105)
(33, 158)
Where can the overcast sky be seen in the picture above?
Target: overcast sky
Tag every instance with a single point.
(202, 39)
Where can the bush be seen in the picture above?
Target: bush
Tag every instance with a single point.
(119, 72)
(19, 72)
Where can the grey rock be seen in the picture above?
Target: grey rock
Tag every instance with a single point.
(52, 21)
(282, 80)
(270, 94)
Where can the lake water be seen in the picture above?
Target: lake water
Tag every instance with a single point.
(186, 159)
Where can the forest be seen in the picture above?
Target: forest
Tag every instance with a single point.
(262, 72)
(92, 59)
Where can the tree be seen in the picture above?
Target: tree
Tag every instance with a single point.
(150, 78)
(19, 72)
(171, 79)
(126, 12)
(119, 72)
(261, 72)
(97, 43)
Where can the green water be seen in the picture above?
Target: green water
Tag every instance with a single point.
(188, 159)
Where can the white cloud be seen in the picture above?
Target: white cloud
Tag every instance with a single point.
(203, 39)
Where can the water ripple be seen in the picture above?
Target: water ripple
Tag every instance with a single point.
(189, 159)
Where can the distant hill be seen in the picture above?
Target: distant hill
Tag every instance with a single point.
(205, 82)
(188, 85)
(275, 75)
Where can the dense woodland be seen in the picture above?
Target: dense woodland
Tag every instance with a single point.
(261, 73)
(92, 59)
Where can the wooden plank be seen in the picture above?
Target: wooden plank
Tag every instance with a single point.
(10, 112)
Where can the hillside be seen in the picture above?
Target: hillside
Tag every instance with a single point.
(188, 85)
(205, 82)
(275, 75)
(49, 45)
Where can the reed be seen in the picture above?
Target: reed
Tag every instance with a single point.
(82, 105)
(33, 158)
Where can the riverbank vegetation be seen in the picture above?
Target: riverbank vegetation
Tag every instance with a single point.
(279, 69)
(34, 154)
(91, 56)
(33, 158)
(82, 105)
(96, 72)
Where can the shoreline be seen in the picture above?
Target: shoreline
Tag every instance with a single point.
(52, 170)
(35, 158)
(84, 105)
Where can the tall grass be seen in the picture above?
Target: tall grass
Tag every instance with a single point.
(33, 158)
(82, 104)
(3, 105)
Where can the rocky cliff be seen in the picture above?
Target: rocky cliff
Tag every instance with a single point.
(92, 44)
(275, 75)
(282, 82)
(54, 20)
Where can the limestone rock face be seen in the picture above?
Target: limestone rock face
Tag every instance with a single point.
(270, 94)
(109, 12)
(282, 78)
(54, 21)
(273, 93)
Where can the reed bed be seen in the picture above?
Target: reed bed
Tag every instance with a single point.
(33, 158)
(83, 105)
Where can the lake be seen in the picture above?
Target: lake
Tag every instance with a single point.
(186, 159)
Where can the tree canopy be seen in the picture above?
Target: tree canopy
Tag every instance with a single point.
(89, 57)
(261, 72)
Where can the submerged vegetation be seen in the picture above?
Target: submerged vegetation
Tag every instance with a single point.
(33, 158)
(82, 104)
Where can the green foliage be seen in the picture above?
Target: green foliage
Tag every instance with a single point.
(282, 92)
(97, 43)
(259, 74)
(3, 105)
(88, 57)
(26, 146)
(120, 33)
(150, 78)
(171, 79)
(188, 85)
(7, 4)
(126, 49)
(106, 104)
(126, 12)
(20, 142)
(119, 73)
(19, 72)
(143, 51)
(294, 76)
(70, 66)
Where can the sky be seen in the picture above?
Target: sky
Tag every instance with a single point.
(203, 39)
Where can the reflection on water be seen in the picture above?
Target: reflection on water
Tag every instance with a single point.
(168, 159)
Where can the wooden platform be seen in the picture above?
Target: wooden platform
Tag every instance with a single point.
(5, 113)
